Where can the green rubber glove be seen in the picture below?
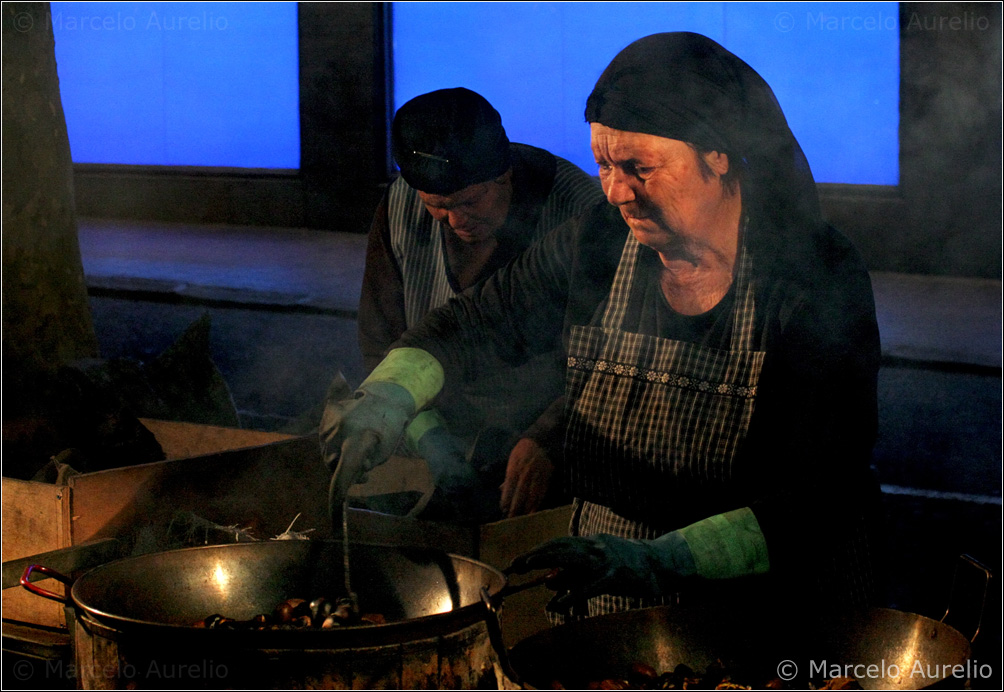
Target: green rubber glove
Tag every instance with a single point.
(720, 547)
(428, 437)
(726, 546)
(462, 494)
(605, 564)
(402, 384)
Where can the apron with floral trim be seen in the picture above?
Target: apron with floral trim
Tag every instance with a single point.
(653, 421)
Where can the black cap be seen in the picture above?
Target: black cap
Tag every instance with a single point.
(449, 139)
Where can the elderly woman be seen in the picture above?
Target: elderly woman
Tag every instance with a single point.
(721, 344)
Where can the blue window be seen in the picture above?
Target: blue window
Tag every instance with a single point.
(216, 84)
(833, 66)
(180, 84)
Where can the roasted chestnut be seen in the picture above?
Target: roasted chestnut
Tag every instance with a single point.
(298, 613)
(212, 621)
(320, 608)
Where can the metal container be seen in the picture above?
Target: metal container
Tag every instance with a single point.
(880, 647)
(136, 619)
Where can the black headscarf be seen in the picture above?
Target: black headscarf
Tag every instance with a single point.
(685, 86)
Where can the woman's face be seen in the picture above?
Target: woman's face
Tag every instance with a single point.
(475, 212)
(664, 195)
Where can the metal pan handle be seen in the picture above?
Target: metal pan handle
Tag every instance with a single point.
(38, 590)
(352, 463)
(493, 620)
(970, 576)
(510, 589)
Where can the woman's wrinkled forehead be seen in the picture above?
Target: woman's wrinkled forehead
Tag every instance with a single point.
(620, 146)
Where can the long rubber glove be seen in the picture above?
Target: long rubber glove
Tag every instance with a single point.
(401, 385)
(724, 546)
(428, 437)
(461, 493)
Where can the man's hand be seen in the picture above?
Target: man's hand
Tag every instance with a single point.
(527, 478)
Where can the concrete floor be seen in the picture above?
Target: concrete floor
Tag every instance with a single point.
(283, 303)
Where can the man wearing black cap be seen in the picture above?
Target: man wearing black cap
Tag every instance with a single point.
(468, 201)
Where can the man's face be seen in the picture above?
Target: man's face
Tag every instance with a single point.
(473, 213)
(658, 185)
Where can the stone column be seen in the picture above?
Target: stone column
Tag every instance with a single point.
(46, 318)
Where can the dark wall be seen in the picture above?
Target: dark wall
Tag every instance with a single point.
(345, 102)
(950, 136)
(944, 217)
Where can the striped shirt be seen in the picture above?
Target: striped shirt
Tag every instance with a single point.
(408, 273)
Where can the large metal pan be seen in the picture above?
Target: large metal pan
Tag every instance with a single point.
(147, 607)
(881, 648)
(417, 590)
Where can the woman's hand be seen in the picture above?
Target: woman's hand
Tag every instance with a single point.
(402, 384)
(527, 478)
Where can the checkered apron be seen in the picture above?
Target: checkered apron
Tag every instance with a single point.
(653, 421)
(505, 398)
